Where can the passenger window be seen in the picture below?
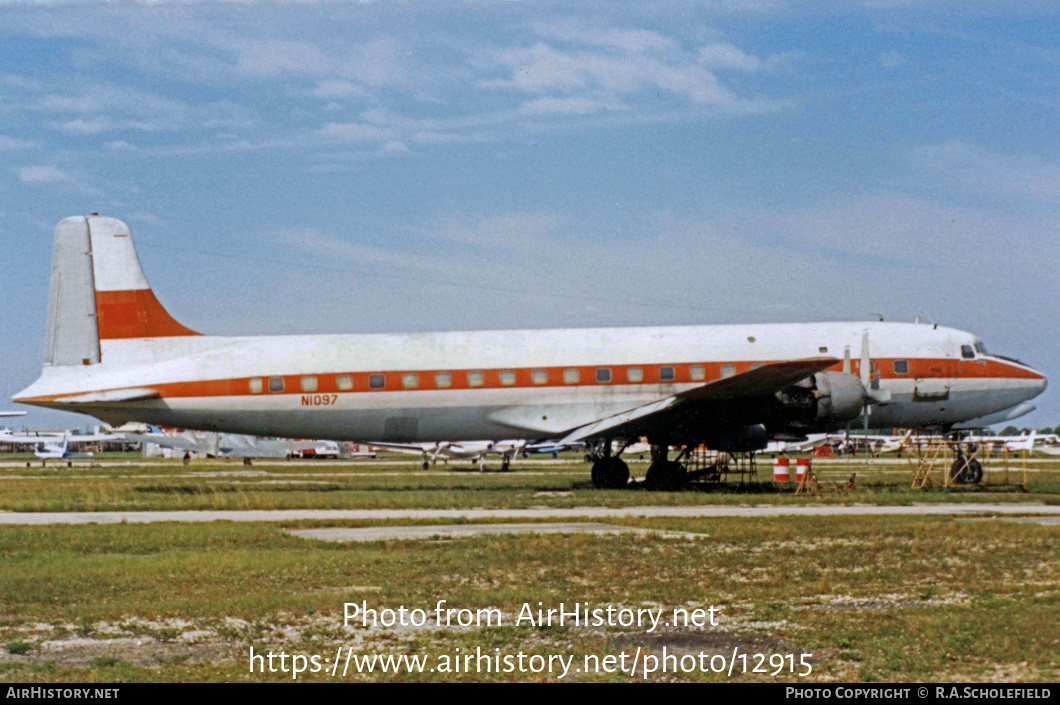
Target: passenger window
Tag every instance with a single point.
(443, 380)
(255, 385)
(309, 384)
(635, 374)
(571, 376)
(508, 378)
(376, 381)
(475, 379)
(410, 380)
(275, 384)
(666, 374)
(966, 352)
(603, 375)
(539, 376)
(728, 371)
(901, 367)
(697, 372)
(344, 383)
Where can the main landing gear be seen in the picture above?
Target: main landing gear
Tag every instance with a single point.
(609, 472)
(665, 474)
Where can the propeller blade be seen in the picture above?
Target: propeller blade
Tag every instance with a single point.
(865, 365)
(873, 392)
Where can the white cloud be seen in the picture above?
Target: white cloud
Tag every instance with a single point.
(564, 106)
(727, 56)
(340, 67)
(360, 132)
(891, 59)
(41, 175)
(15, 143)
(604, 67)
(101, 124)
(336, 88)
(271, 57)
(543, 68)
(524, 232)
(630, 41)
(972, 169)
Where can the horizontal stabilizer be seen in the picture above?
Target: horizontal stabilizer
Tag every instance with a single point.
(114, 395)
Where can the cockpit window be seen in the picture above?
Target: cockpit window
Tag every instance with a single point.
(980, 348)
(966, 352)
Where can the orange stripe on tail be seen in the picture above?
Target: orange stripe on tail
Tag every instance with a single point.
(135, 313)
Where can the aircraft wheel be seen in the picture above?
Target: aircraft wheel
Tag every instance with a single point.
(966, 472)
(610, 473)
(426, 465)
(667, 475)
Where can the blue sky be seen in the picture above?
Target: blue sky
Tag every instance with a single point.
(320, 167)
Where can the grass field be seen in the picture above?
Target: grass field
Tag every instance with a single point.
(865, 598)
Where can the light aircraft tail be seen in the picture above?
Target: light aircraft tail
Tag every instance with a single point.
(99, 293)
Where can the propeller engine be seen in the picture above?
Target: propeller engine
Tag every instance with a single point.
(831, 399)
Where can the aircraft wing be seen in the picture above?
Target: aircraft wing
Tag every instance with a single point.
(160, 439)
(29, 439)
(238, 446)
(713, 399)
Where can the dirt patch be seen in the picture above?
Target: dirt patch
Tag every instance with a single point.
(147, 652)
(709, 642)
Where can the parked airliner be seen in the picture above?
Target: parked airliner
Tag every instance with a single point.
(114, 352)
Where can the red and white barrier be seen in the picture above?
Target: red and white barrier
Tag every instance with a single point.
(782, 470)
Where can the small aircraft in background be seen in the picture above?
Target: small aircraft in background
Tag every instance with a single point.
(548, 448)
(231, 445)
(872, 444)
(58, 451)
(475, 451)
(1050, 444)
(1025, 441)
(56, 446)
(812, 441)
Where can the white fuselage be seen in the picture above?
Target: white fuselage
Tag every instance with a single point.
(528, 384)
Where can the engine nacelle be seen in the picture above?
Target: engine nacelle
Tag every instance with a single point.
(744, 439)
(840, 396)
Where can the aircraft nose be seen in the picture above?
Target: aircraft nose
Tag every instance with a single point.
(1037, 383)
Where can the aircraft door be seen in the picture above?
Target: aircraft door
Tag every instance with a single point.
(934, 373)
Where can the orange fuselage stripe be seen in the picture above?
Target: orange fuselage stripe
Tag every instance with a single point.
(360, 382)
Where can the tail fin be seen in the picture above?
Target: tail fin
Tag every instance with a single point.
(99, 293)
